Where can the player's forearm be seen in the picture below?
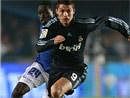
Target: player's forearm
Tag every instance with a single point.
(118, 25)
(42, 46)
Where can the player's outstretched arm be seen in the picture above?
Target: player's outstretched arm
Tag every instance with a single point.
(43, 45)
(118, 25)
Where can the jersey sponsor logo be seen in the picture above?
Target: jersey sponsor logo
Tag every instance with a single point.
(74, 47)
(74, 76)
(43, 33)
(69, 48)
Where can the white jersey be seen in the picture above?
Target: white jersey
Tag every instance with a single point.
(34, 76)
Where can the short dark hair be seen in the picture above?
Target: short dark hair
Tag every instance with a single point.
(66, 2)
(46, 4)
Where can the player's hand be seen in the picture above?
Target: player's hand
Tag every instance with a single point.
(59, 39)
(129, 38)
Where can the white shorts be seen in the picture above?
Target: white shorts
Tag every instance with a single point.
(34, 75)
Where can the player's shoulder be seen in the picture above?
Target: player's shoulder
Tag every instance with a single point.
(84, 20)
(51, 22)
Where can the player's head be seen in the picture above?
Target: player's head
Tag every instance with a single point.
(44, 12)
(65, 10)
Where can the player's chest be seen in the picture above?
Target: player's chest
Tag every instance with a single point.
(72, 35)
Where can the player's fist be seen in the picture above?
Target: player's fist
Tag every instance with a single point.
(59, 39)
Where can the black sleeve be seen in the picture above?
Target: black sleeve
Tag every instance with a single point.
(45, 41)
(118, 25)
(111, 22)
(43, 45)
(95, 22)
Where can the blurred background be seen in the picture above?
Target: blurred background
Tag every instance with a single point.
(107, 52)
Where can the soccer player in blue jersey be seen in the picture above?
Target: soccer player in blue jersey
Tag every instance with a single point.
(37, 73)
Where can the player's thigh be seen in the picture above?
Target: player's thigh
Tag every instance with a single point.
(76, 77)
(62, 84)
(34, 75)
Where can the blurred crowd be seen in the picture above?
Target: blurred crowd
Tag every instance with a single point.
(18, 37)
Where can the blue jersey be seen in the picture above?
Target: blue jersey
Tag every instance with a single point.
(44, 58)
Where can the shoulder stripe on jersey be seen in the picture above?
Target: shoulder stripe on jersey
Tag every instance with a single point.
(51, 21)
(120, 22)
(85, 20)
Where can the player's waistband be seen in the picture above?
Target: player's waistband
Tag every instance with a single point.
(77, 67)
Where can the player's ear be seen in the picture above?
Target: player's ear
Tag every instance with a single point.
(74, 11)
(73, 7)
(56, 11)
